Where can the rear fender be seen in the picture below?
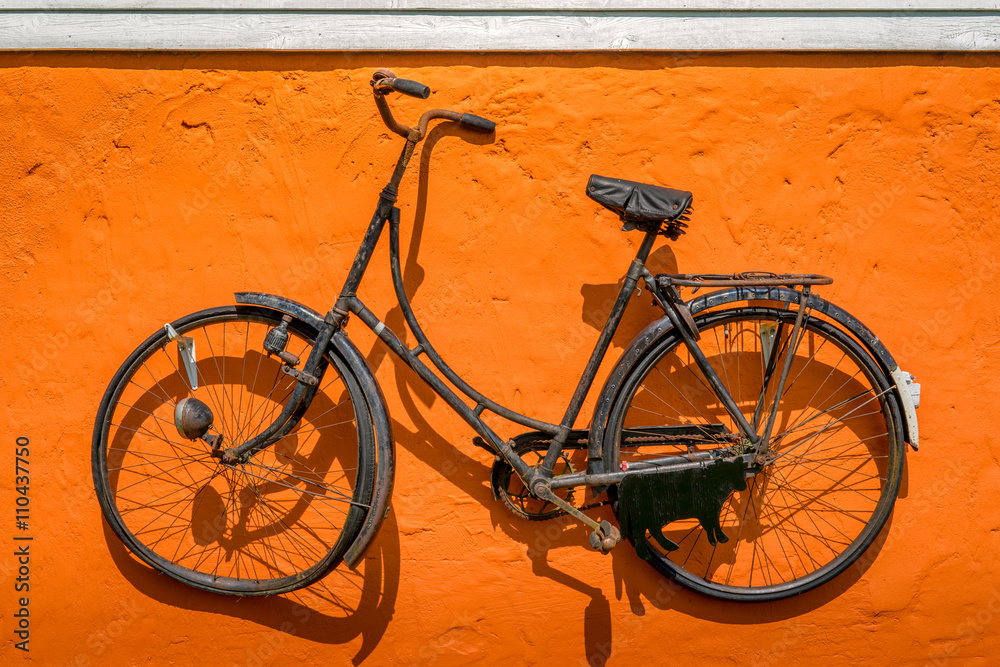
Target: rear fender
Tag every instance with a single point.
(385, 453)
(657, 330)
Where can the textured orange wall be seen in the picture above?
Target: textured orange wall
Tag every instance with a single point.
(136, 188)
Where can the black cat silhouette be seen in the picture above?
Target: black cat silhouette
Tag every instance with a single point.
(652, 500)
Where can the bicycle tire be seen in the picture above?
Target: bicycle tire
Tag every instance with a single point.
(275, 523)
(813, 511)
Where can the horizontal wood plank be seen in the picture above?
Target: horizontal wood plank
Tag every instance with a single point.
(454, 6)
(499, 30)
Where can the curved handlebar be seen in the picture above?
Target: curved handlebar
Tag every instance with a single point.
(384, 81)
(407, 87)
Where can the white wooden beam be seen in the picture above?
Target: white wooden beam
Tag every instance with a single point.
(500, 25)
(509, 5)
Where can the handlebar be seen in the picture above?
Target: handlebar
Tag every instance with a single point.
(384, 81)
(478, 123)
(405, 86)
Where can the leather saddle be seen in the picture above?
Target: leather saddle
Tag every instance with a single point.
(640, 204)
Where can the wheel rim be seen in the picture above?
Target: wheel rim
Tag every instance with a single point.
(274, 523)
(836, 460)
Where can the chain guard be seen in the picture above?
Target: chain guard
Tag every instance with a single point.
(651, 500)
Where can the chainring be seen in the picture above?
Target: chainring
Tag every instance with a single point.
(509, 488)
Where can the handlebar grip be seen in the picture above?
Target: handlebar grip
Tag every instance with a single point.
(478, 124)
(411, 88)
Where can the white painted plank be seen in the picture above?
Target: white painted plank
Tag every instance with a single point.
(681, 31)
(507, 5)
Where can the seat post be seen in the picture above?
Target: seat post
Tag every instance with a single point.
(597, 356)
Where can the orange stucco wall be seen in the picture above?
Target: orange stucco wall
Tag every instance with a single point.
(136, 188)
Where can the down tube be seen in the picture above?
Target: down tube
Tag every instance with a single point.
(388, 337)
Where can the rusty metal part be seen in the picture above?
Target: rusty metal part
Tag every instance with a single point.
(277, 337)
(214, 441)
(605, 537)
(673, 297)
(745, 279)
(301, 376)
(502, 474)
(192, 418)
(289, 358)
(540, 488)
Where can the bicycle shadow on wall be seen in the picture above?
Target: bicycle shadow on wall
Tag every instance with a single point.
(464, 471)
(337, 609)
(633, 578)
(249, 532)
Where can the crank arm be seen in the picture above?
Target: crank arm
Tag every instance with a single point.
(605, 536)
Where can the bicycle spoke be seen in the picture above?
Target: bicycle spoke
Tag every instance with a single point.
(271, 523)
(830, 461)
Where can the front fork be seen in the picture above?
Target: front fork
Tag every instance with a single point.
(308, 380)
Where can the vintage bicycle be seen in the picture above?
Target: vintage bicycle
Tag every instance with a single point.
(750, 442)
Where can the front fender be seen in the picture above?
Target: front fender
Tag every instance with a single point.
(385, 453)
(663, 327)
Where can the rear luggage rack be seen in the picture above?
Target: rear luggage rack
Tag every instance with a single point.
(745, 279)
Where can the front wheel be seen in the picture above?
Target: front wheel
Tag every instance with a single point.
(832, 470)
(274, 523)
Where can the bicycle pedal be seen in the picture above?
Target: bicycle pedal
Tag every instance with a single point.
(605, 538)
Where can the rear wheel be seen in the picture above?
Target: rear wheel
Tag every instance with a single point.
(274, 523)
(833, 467)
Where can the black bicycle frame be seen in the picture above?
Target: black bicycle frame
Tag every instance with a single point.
(348, 302)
